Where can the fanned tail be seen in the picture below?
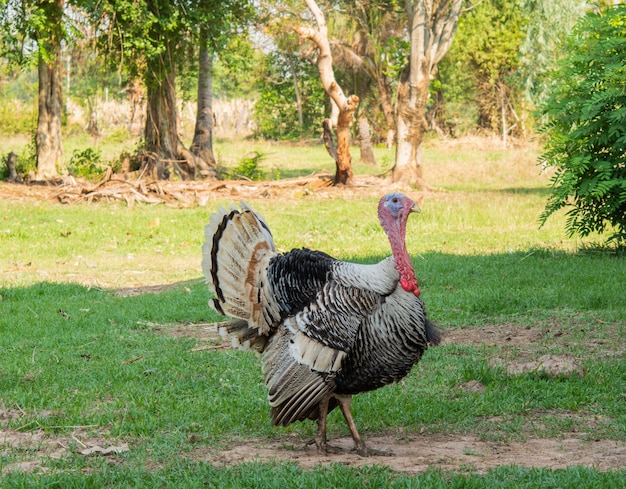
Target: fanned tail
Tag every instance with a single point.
(238, 246)
(240, 335)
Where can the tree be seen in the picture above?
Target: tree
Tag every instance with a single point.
(376, 48)
(50, 106)
(431, 25)
(202, 145)
(586, 130)
(153, 38)
(41, 22)
(487, 46)
(346, 105)
(218, 21)
(291, 98)
(549, 22)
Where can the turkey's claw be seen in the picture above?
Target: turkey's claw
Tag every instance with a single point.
(365, 451)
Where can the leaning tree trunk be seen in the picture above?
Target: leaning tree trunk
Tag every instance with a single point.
(48, 135)
(347, 105)
(432, 26)
(202, 145)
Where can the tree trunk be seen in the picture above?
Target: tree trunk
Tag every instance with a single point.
(367, 154)
(431, 26)
(347, 105)
(343, 163)
(411, 126)
(161, 130)
(92, 125)
(49, 119)
(384, 90)
(327, 125)
(505, 129)
(296, 87)
(11, 162)
(202, 145)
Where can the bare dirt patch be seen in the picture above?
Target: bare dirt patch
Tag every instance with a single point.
(496, 335)
(416, 454)
(29, 451)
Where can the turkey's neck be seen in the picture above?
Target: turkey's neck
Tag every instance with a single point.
(397, 239)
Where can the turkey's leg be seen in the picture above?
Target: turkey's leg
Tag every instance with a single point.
(320, 439)
(344, 405)
(359, 444)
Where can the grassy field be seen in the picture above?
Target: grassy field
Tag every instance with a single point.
(103, 339)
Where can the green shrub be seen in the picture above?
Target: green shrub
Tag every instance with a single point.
(87, 164)
(586, 132)
(249, 166)
(25, 163)
(276, 111)
(17, 117)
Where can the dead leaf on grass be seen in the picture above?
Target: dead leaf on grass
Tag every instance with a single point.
(471, 386)
(98, 450)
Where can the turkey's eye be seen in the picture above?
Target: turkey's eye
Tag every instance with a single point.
(394, 200)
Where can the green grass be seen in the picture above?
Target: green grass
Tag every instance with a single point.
(193, 475)
(78, 357)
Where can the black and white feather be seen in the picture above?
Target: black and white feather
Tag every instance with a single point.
(327, 329)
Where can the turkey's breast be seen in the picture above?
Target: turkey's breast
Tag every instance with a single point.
(387, 345)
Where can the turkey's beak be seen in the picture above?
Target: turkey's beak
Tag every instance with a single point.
(415, 208)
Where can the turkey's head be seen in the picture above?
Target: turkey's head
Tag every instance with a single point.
(393, 212)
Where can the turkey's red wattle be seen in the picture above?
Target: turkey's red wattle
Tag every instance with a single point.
(410, 286)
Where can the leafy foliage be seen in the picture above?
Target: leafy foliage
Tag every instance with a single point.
(86, 163)
(586, 132)
(249, 166)
(276, 111)
(483, 60)
(549, 23)
(16, 117)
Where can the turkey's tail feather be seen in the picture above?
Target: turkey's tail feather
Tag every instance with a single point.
(241, 335)
(433, 333)
(238, 245)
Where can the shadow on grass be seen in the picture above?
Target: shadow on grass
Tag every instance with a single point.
(539, 191)
(77, 356)
(457, 289)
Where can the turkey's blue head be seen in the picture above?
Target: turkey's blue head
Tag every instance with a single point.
(395, 207)
(393, 212)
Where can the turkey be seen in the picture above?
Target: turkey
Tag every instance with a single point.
(327, 329)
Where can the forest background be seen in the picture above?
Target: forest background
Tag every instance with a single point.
(263, 81)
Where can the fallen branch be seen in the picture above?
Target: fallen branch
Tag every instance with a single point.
(179, 193)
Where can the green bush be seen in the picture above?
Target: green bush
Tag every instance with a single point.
(249, 166)
(276, 111)
(87, 164)
(586, 130)
(17, 117)
(25, 163)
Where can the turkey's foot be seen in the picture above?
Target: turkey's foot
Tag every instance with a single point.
(365, 451)
(327, 449)
(324, 448)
